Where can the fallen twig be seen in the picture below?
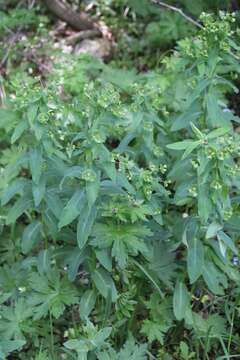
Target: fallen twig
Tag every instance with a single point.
(85, 34)
(77, 20)
(179, 11)
(2, 94)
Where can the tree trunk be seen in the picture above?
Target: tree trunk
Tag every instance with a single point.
(79, 21)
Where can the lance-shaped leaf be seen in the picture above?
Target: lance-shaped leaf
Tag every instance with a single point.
(187, 145)
(92, 190)
(35, 163)
(195, 259)
(227, 241)
(73, 208)
(87, 303)
(213, 229)
(180, 300)
(103, 282)
(21, 205)
(74, 171)
(213, 278)
(19, 130)
(76, 258)
(190, 115)
(180, 145)
(8, 346)
(85, 224)
(204, 203)
(38, 190)
(31, 235)
(15, 188)
(218, 132)
(44, 261)
(54, 202)
(105, 259)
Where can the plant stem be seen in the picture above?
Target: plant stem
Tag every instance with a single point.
(51, 333)
(231, 331)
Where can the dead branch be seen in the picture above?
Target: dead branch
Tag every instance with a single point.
(179, 11)
(82, 35)
(79, 21)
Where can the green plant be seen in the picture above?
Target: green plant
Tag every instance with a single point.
(120, 203)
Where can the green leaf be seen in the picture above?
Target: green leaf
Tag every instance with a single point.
(92, 190)
(101, 336)
(15, 188)
(184, 120)
(187, 145)
(51, 223)
(131, 351)
(8, 346)
(73, 208)
(19, 130)
(103, 281)
(204, 203)
(44, 261)
(75, 260)
(163, 262)
(77, 345)
(182, 145)
(8, 118)
(18, 209)
(54, 203)
(212, 109)
(94, 341)
(212, 278)
(154, 330)
(148, 275)
(87, 303)
(74, 171)
(31, 236)
(85, 224)
(32, 113)
(123, 146)
(110, 170)
(184, 350)
(51, 293)
(201, 86)
(179, 169)
(38, 131)
(197, 132)
(35, 162)
(38, 191)
(108, 307)
(190, 149)
(218, 132)
(180, 300)
(215, 115)
(227, 241)
(12, 316)
(119, 251)
(214, 325)
(124, 183)
(104, 257)
(212, 230)
(195, 259)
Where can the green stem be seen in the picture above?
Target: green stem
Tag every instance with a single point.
(51, 335)
(231, 331)
(44, 233)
